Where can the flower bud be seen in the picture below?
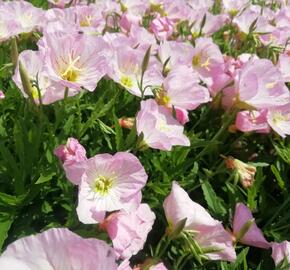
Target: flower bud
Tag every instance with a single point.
(245, 172)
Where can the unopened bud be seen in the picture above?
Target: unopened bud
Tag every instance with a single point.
(127, 122)
(245, 171)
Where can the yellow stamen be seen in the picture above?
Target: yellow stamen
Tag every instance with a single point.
(126, 81)
(72, 72)
(103, 184)
(270, 85)
(206, 64)
(87, 21)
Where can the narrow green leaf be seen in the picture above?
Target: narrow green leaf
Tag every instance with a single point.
(119, 134)
(5, 224)
(44, 178)
(279, 179)
(215, 203)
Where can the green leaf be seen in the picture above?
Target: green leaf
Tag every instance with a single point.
(11, 200)
(215, 203)
(119, 134)
(105, 128)
(283, 152)
(280, 181)
(178, 228)
(44, 178)
(5, 224)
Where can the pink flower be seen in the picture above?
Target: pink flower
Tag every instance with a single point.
(58, 249)
(246, 19)
(175, 53)
(284, 66)
(254, 236)
(129, 231)
(127, 69)
(71, 152)
(281, 251)
(90, 17)
(50, 91)
(233, 7)
(127, 19)
(162, 27)
(182, 89)
(160, 130)
(209, 233)
(110, 183)
(207, 59)
(181, 115)
(261, 85)
(2, 95)
(141, 38)
(26, 16)
(8, 28)
(75, 60)
(200, 5)
(279, 120)
(73, 157)
(133, 11)
(247, 121)
(212, 23)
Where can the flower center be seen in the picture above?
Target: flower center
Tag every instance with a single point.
(103, 184)
(162, 98)
(270, 85)
(162, 125)
(126, 81)
(87, 21)
(197, 62)
(71, 72)
(279, 117)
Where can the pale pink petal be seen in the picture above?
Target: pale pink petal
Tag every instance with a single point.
(254, 236)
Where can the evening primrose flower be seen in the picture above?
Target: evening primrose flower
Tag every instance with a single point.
(206, 59)
(110, 183)
(8, 28)
(58, 248)
(126, 70)
(27, 17)
(279, 120)
(252, 235)
(73, 158)
(42, 87)
(128, 231)
(158, 127)
(162, 27)
(281, 252)
(75, 60)
(248, 121)
(260, 85)
(214, 241)
(181, 89)
(284, 65)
